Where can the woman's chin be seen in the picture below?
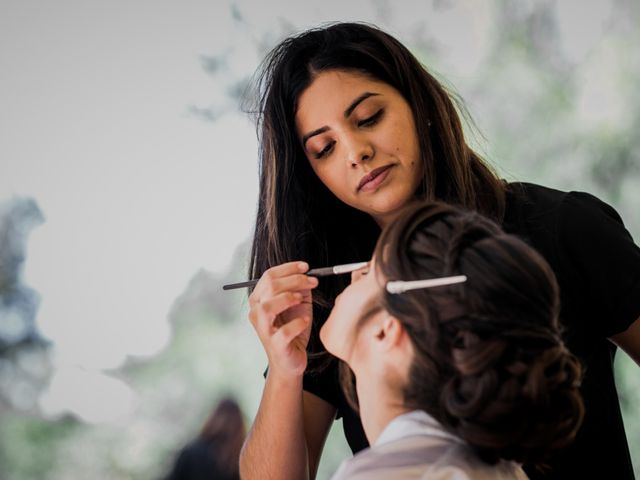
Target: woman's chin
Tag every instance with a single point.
(387, 203)
(387, 212)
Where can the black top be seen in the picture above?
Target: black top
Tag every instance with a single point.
(597, 266)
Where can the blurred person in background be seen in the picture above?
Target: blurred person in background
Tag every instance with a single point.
(214, 453)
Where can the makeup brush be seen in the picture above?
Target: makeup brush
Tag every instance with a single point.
(316, 272)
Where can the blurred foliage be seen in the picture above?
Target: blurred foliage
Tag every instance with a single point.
(18, 302)
(30, 446)
(547, 110)
(24, 362)
(628, 382)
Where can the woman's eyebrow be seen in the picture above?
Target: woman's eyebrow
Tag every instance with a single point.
(348, 111)
(317, 131)
(357, 102)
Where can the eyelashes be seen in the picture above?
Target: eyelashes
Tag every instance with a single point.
(367, 122)
(372, 120)
(325, 150)
(358, 274)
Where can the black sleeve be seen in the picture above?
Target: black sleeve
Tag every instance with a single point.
(593, 239)
(325, 384)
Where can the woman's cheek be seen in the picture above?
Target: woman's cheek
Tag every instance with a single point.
(323, 335)
(330, 331)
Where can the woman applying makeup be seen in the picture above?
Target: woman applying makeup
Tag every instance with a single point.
(352, 128)
(463, 380)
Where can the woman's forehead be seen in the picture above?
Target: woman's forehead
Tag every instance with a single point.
(335, 90)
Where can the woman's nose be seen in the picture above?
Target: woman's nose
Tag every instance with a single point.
(359, 150)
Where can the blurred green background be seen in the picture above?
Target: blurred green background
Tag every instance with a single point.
(551, 87)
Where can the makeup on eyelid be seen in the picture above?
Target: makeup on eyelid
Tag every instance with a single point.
(367, 122)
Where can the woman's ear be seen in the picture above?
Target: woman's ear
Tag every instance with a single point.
(389, 332)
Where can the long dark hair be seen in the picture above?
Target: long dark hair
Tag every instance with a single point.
(298, 218)
(489, 364)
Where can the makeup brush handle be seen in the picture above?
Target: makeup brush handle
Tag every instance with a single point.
(316, 272)
(231, 286)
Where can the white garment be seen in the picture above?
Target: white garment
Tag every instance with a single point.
(415, 446)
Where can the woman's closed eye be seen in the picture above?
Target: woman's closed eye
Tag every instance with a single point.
(358, 274)
(372, 120)
(367, 122)
(325, 150)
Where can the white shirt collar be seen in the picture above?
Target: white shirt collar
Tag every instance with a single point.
(416, 422)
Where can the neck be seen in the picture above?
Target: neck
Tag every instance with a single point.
(383, 220)
(378, 406)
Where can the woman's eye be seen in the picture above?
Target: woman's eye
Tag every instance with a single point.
(358, 274)
(325, 150)
(372, 120)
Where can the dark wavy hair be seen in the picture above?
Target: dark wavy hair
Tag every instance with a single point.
(298, 218)
(490, 364)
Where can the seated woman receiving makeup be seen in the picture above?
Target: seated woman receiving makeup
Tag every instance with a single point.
(452, 335)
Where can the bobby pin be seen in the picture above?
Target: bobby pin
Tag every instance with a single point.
(400, 286)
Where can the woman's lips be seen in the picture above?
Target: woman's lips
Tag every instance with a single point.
(371, 181)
